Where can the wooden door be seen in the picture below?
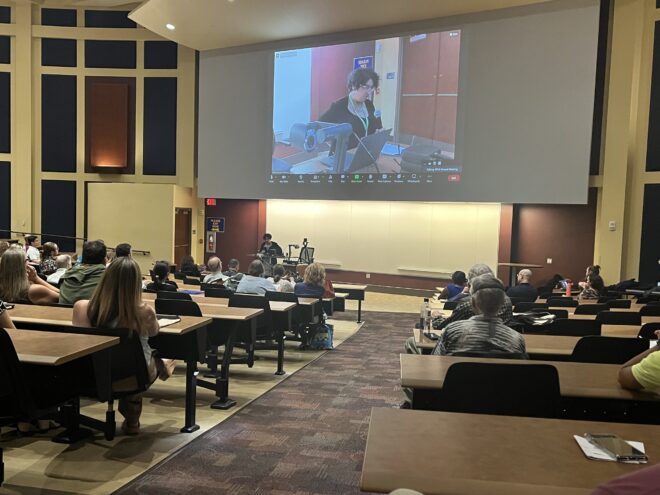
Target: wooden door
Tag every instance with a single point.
(182, 234)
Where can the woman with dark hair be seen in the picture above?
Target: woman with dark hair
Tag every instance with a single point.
(189, 267)
(357, 107)
(50, 252)
(591, 270)
(159, 278)
(594, 288)
(281, 279)
(458, 283)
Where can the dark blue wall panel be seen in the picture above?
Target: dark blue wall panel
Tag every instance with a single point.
(110, 54)
(58, 123)
(160, 55)
(108, 19)
(58, 213)
(5, 200)
(5, 112)
(649, 255)
(160, 126)
(58, 17)
(58, 52)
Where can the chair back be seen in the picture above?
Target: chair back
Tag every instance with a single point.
(493, 355)
(559, 313)
(179, 275)
(574, 328)
(562, 302)
(524, 307)
(648, 331)
(179, 307)
(504, 389)
(619, 303)
(15, 399)
(264, 320)
(166, 294)
(191, 281)
(590, 309)
(619, 318)
(218, 292)
(650, 310)
(607, 350)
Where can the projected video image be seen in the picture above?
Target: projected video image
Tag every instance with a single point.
(383, 109)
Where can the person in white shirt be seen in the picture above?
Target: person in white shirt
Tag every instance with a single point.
(216, 276)
(32, 249)
(253, 282)
(283, 284)
(63, 263)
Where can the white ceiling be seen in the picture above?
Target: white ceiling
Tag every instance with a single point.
(208, 24)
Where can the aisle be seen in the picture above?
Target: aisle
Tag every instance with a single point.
(307, 435)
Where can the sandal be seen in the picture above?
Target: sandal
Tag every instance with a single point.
(131, 430)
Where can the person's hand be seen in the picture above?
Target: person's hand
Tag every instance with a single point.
(31, 274)
(657, 334)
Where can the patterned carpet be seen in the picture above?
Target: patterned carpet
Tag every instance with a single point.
(306, 436)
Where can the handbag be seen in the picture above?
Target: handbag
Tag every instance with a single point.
(322, 339)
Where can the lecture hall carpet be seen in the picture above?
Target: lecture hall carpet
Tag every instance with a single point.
(305, 436)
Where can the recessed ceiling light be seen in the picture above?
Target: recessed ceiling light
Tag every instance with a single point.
(171, 27)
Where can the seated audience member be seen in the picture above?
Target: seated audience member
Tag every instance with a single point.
(4, 245)
(62, 264)
(314, 283)
(280, 280)
(523, 291)
(458, 282)
(233, 274)
(216, 276)
(641, 482)
(123, 249)
(188, 267)
(485, 331)
(593, 289)
(642, 371)
(50, 252)
(465, 310)
(32, 249)
(80, 281)
(160, 278)
(19, 281)
(591, 270)
(117, 303)
(253, 282)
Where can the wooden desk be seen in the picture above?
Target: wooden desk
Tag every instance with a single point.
(55, 348)
(489, 455)
(583, 380)
(177, 341)
(354, 292)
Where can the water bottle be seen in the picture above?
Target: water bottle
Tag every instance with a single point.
(426, 316)
(422, 316)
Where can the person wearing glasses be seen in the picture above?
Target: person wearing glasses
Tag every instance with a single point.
(357, 107)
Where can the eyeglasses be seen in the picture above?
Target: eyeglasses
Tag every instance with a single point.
(367, 87)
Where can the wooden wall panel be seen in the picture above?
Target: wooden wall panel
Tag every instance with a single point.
(110, 125)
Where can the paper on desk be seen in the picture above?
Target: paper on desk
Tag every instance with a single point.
(592, 451)
(652, 343)
(164, 322)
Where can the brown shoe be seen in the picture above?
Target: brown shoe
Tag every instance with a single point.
(131, 430)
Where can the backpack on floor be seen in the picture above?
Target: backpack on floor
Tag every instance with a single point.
(322, 340)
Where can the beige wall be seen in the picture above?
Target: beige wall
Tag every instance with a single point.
(401, 238)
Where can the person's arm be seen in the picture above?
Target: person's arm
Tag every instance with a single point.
(40, 291)
(80, 318)
(626, 377)
(5, 320)
(444, 294)
(149, 320)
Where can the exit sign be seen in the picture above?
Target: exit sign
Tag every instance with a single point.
(210, 202)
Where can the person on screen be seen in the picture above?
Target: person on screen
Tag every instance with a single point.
(357, 108)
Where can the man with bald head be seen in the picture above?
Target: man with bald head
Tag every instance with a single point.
(523, 292)
(216, 276)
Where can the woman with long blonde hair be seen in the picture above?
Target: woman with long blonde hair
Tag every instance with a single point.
(19, 281)
(117, 303)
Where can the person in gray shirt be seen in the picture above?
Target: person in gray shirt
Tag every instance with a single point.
(484, 332)
(253, 282)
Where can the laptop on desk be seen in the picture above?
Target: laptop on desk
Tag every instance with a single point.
(360, 158)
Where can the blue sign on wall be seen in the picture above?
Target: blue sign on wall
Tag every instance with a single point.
(215, 224)
(363, 62)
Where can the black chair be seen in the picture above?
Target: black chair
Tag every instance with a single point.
(607, 350)
(562, 302)
(574, 328)
(493, 355)
(524, 307)
(559, 313)
(451, 305)
(516, 300)
(265, 328)
(648, 331)
(166, 294)
(192, 281)
(179, 275)
(218, 292)
(590, 309)
(618, 303)
(504, 389)
(619, 318)
(182, 307)
(650, 310)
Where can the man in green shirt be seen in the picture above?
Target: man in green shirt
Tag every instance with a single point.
(80, 281)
